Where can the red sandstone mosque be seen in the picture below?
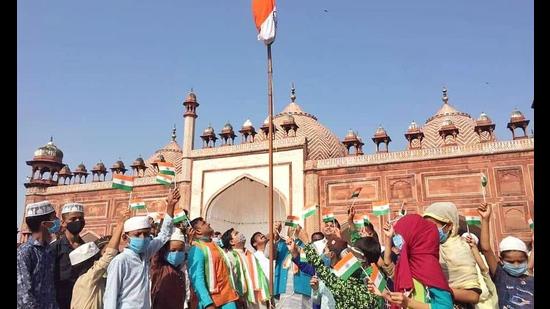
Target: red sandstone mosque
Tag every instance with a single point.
(225, 179)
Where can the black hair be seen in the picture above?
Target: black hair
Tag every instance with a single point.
(375, 235)
(370, 248)
(35, 222)
(317, 236)
(195, 222)
(252, 239)
(226, 239)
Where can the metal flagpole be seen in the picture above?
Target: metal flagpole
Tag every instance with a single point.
(270, 139)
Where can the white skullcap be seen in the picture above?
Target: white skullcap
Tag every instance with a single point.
(39, 209)
(474, 237)
(136, 223)
(177, 235)
(512, 243)
(83, 252)
(156, 216)
(72, 207)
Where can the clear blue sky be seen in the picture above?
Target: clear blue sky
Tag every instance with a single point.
(107, 78)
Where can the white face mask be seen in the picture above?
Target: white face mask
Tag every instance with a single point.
(320, 245)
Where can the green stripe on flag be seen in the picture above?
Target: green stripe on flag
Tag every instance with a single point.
(122, 187)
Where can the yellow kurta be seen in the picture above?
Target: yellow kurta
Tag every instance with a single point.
(89, 288)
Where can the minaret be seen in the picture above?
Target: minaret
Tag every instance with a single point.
(189, 117)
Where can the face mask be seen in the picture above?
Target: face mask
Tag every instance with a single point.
(242, 238)
(442, 235)
(138, 245)
(513, 270)
(320, 245)
(56, 225)
(398, 241)
(175, 257)
(75, 227)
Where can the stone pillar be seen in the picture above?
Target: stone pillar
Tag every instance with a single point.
(311, 197)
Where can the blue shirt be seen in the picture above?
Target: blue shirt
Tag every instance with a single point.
(127, 284)
(514, 292)
(300, 280)
(35, 267)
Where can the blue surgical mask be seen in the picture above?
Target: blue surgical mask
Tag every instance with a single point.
(442, 235)
(175, 257)
(56, 225)
(398, 241)
(513, 270)
(138, 245)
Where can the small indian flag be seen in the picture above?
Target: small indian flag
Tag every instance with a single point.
(531, 223)
(376, 277)
(137, 204)
(381, 210)
(123, 182)
(292, 221)
(166, 168)
(165, 179)
(303, 257)
(356, 192)
(472, 217)
(483, 180)
(346, 266)
(180, 217)
(310, 211)
(328, 216)
(366, 219)
(358, 223)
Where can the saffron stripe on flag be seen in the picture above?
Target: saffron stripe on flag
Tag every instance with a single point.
(123, 182)
(265, 19)
(165, 179)
(346, 266)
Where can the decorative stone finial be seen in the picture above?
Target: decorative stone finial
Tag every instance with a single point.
(445, 98)
(293, 93)
(173, 134)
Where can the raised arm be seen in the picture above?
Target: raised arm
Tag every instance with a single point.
(167, 225)
(484, 240)
(477, 256)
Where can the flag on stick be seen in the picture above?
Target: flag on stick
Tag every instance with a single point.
(137, 204)
(180, 217)
(166, 168)
(376, 277)
(292, 221)
(358, 223)
(265, 18)
(328, 216)
(366, 219)
(472, 217)
(531, 224)
(356, 192)
(346, 266)
(381, 210)
(123, 182)
(310, 211)
(483, 180)
(165, 179)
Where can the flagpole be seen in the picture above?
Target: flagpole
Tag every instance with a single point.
(270, 139)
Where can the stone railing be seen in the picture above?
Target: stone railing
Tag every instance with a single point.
(94, 186)
(283, 143)
(425, 154)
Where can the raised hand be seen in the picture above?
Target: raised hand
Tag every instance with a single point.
(173, 197)
(388, 229)
(314, 283)
(351, 214)
(399, 299)
(484, 210)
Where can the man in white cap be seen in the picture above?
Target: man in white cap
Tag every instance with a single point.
(514, 287)
(35, 262)
(90, 266)
(72, 223)
(167, 277)
(127, 276)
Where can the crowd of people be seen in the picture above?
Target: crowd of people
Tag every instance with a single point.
(424, 261)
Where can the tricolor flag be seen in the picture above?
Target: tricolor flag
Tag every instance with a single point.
(531, 223)
(166, 168)
(137, 204)
(180, 217)
(472, 217)
(366, 219)
(358, 223)
(292, 221)
(356, 192)
(328, 216)
(310, 211)
(165, 179)
(376, 277)
(346, 266)
(381, 210)
(265, 18)
(483, 180)
(123, 182)
(303, 257)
